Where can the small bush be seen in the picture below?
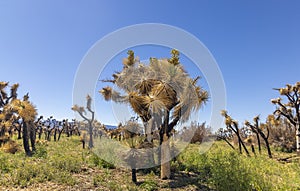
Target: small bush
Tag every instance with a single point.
(4, 164)
(66, 163)
(149, 185)
(41, 152)
(11, 147)
(225, 169)
(97, 161)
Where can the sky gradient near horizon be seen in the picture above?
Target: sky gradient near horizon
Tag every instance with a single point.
(255, 43)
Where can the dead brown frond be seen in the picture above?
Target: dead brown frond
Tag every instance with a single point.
(26, 97)
(156, 106)
(14, 89)
(3, 85)
(11, 147)
(166, 94)
(78, 108)
(129, 61)
(89, 102)
(28, 112)
(138, 103)
(3, 94)
(107, 93)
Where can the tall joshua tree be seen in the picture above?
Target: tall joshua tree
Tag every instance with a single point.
(162, 93)
(81, 111)
(291, 108)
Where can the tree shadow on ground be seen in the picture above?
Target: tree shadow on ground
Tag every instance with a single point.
(187, 180)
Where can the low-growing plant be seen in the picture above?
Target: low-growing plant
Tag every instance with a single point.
(97, 161)
(225, 169)
(40, 152)
(149, 185)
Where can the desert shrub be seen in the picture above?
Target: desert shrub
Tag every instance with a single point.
(282, 136)
(4, 163)
(11, 147)
(40, 152)
(149, 185)
(224, 169)
(195, 132)
(66, 163)
(97, 161)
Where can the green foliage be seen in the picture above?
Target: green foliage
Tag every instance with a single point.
(225, 169)
(4, 163)
(66, 163)
(97, 161)
(49, 163)
(40, 152)
(220, 168)
(149, 185)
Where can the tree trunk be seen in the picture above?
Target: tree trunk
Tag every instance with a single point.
(40, 132)
(91, 136)
(133, 175)
(25, 139)
(165, 172)
(228, 143)
(245, 148)
(298, 139)
(258, 142)
(59, 133)
(32, 135)
(19, 133)
(48, 135)
(253, 149)
(55, 132)
(165, 168)
(265, 138)
(268, 148)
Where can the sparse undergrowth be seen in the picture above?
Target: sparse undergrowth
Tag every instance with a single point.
(65, 165)
(225, 169)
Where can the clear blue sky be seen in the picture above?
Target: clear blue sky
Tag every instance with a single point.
(255, 43)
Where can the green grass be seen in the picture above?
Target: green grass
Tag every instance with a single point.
(66, 165)
(225, 169)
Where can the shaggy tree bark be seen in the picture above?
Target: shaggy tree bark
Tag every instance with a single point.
(26, 139)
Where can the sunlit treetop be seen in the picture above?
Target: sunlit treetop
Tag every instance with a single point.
(161, 85)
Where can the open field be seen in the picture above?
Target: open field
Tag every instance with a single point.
(64, 165)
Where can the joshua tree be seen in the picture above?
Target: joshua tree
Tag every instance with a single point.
(7, 115)
(232, 126)
(133, 140)
(28, 113)
(162, 93)
(226, 135)
(12, 109)
(291, 108)
(258, 129)
(81, 111)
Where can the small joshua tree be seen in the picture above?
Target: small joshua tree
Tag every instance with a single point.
(81, 111)
(289, 108)
(226, 135)
(232, 126)
(133, 140)
(162, 93)
(260, 130)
